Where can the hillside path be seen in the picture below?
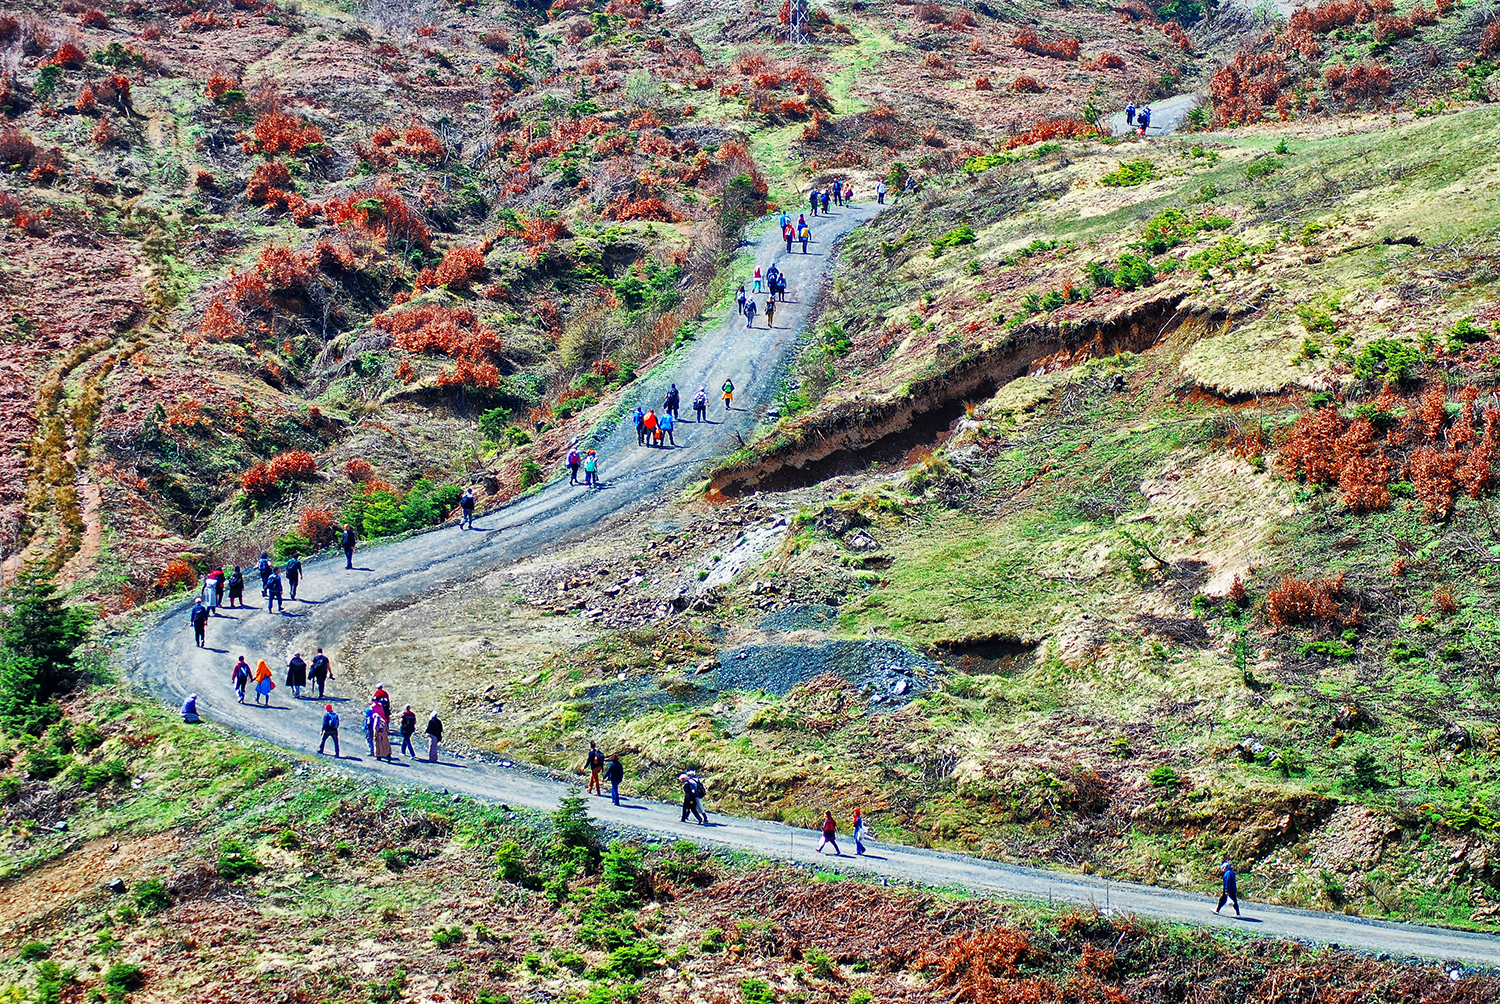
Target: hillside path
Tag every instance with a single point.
(334, 602)
(1167, 116)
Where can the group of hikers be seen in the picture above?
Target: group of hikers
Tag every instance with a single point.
(772, 285)
(1138, 119)
(655, 427)
(378, 729)
(298, 672)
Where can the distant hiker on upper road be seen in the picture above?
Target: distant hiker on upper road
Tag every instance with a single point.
(263, 682)
(264, 568)
(382, 725)
(198, 618)
(1130, 113)
(320, 672)
(239, 678)
(236, 587)
(880, 193)
(408, 729)
(273, 592)
(614, 773)
(728, 392)
(640, 426)
(664, 426)
(293, 570)
(700, 405)
(812, 201)
(466, 507)
(296, 675)
(740, 299)
(830, 830)
(591, 469)
(750, 314)
(785, 219)
(434, 736)
(673, 399)
(1144, 118)
(330, 731)
(595, 764)
(690, 785)
(575, 461)
(190, 710)
(859, 832)
(1231, 891)
(770, 310)
(346, 541)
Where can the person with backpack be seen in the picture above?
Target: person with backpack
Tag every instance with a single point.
(640, 426)
(880, 193)
(236, 587)
(700, 405)
(595, 764)
(789, 233)
(293, 570)
(264, 568)
(346, 540)
(699, 792)
(838, 193)
(859, 832)
(381, 698)
(773, 276)
(804, 235)
(739, 300)
(690, 787)
(830, 830)
(728, 393)
(273, 592)
(849, 194)
(1231, 891)
(1144, 118)
(370, 715)
(198, 618)
(263, 682)
(591, 469)
(239, 678)
(1130, 113)
(812, 201)
(575, 461)
(771, 311)
(382, 724)
(408, 729)
(434, 736)
(320, 672)
(665, 425)
(750, 314)
(614, 773)
(466, 507)
(296, 675)
(212, 591)
(330, 731)
(825, 202)
(651, 422)
(670, 404)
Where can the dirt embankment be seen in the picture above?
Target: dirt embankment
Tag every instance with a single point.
(852, 432)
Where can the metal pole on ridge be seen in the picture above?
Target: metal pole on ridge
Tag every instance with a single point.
(797, 23)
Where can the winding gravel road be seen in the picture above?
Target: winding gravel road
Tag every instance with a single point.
(1166, 116)
(334, 603)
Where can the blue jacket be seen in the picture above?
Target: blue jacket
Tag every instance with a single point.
(330, 722)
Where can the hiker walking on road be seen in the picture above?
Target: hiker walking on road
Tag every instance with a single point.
(293, 569)
(770, 310)
(700, 405)
(812, 201)
(382, 725)
(296, 675)
(781, 287)
(1231, 891)
(673, 399)
(263, 682)
(466, 506)
(575, 461)
(239, 678)
(595, 764)
(690, 787)
(859, 832)
(320, 672)
(1130, 113)
(665, 424)
(830, 830)
(789, 234)
(591, 470)
(273, 592)
(740, 298)
(849, 194)
(804, 235)
(346, 541)
(434, 736)
(614, 773)
(825, 202)
(1144, 118)
(750, 314)
(650, 423)
(236, 587)
(198, 618)
(773, 278)
(408, 729)
(211, 592)
(728, 391)
(759, 281)
(330, 731)
(381, 698)
(370, 728)
(838, 193)
(880, 193)
(264, 568)
(640, 426)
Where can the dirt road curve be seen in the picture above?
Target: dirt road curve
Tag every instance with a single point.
(1167, 115)
(334, 602)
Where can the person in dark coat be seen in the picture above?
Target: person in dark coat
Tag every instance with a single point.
(320, 672)
(296, 675)
(273, 593)
(1231, 893)
(330, 730)
(434, 736)
(346, 541)
(614, 773)
(236, 587)
(408, 729)
(293, 573)
(199, 619)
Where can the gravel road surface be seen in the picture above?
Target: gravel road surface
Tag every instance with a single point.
(334, 602)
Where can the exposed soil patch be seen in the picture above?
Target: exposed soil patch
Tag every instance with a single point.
(96, 862)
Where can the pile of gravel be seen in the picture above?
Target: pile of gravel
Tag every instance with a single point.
(890, 674)
(802, 617)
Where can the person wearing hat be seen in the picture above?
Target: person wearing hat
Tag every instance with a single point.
(330, 731)
(434, 734)
(1231, 891)
(190, 710)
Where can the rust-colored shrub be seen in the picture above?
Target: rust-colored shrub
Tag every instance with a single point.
(93, 18)
(104, 133)
(459, 268)
(1109, 61)
(623, 207)
(382, 214)
(1311, 448)
(277, 132)
(175, 575)
(284, 268)
(1434, 480)
(422, 144)
(1050, 129)
(1444, 601)
(982, 84)
(1027, 84)
(204, 179)
(257, 482)
(219, 85)
(293, 464)
(359, 471)
(1364, 472)
(1489, 42)
(220, 323)
(319, 526)
(1304, 601)
(984, 968)
(456, 332)
(270, 175)
(1060, 48)
(466, 373)
(69, 56)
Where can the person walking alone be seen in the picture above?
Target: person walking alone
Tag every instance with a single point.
(408, 729)
(830, 830)
(728, 391)
(859, 832)
(198, 618)
(320, 672)
(880, 193)
(434, 736)
(1231, 891)
(293, 570)
(614, 773)
(466, 506)
(236, 588)
(330, 731)
(346, 541)
(740, 299)
(595, 764)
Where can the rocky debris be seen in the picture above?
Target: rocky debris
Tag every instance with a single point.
(1349, 717)
(884, 671)
(861, 542)
(801, 617)
(836, 522)
(116, 885)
